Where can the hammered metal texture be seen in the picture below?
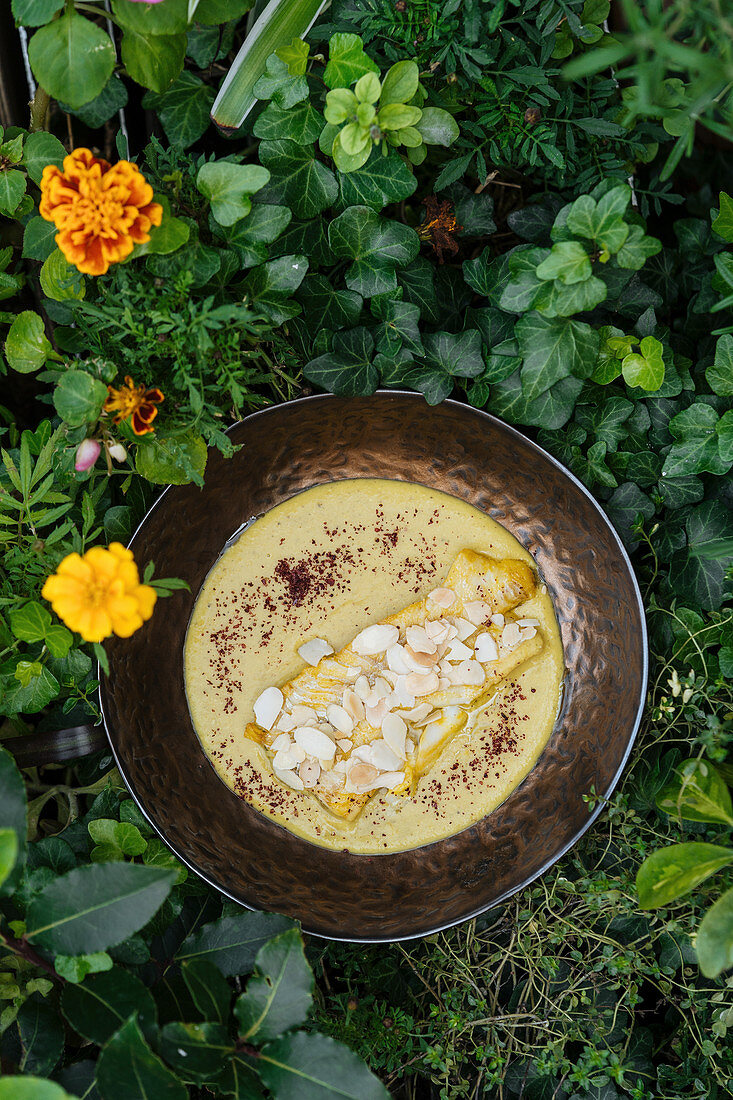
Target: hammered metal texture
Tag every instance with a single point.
(475, 457)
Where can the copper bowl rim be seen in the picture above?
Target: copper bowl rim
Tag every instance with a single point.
(602, 798)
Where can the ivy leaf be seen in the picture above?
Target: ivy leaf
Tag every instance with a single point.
(40, 687)
(325, 306)
(724, 430)
(381, 181)
(554, 406)
(714, 941)
(250, 236)
(625, 506)
(183, 109)
(602, 220)
(12, 816)
(277, 84)
(417, 281)
(280, 994)
(636, 249)
(99, 110)
(456, 354)
(127, 1067)
(347, 369)
(270, 287)
(568, 262)
(699, 574)
(228, 188)
(54, 52)
(376, 246)
(295, 55)
(27, 347)
(96, 906)
(645, 368)
(521, 289)
(720, 374)
(30, 622)
(723, 222)
(78, 398)
(672, 872)
(232, 943)
(696, 448)
(98, 1007)
(346, 61)
(553, 349)
(401, 324)
(302, 123)
(557, 300)
(299, 181)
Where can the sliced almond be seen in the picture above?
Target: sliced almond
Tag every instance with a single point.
(390, 780)
(418, 640)
(426, 719)
(267, 706)
(375, 639)
(362, 687)
(383, 756)
(304, 715)
(298, 753)
(409, 746)
(528, 622)
(463, 628)
(477, 612)
(315, 742)
(286, 722)
(361, 778)
(394, 732)
(396, 660)
(418, 685)
(290, 779)
(314, 649)
(437, 629)
(281, 743)
(309, 773)
(382, 688)
(353, 705)
(284, 759)
(511, 636)
(527, 632)
(498, 619)
(443, 597)
(375, 714)
(415, 713)
(417, 660)
(470, 673)
(486, 648)
(457, 651)
(340, 718)
(345, 744)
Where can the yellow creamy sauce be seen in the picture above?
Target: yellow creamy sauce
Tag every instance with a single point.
(326, 564)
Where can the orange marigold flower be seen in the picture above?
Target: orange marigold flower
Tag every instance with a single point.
(135, 401)
(101, 210)
(100, 593)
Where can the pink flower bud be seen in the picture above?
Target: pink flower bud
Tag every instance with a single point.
(117, 452)
(87, 454)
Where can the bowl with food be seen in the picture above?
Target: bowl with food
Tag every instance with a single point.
(412, 644)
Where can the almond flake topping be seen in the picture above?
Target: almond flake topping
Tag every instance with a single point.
(353, 705)
(289, 778)
(486, 648)
(267, 707)
(443, 597)
(511, 636)
(282, 741)
(498, 619)
(417, 660)
(477, 611)
(315, 742)
(313, 650)
(416, 684)
(463, 629)
(383, 757)
(375, 639)
(419, 641)
(394, 732)
(340, 718)
(457, 651)
(309, 773)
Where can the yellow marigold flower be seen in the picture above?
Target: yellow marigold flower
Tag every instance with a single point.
(100, 593)
(136, 402)
(101, 210)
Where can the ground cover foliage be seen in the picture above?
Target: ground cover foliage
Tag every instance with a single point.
(461, 199)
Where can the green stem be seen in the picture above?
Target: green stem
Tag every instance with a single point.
(39, 110)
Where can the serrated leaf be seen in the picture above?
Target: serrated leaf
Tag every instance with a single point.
(41, 1036)
(376, 246)
(280, 994)
(96, 906)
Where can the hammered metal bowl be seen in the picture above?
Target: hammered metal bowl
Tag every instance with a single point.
(479, 459)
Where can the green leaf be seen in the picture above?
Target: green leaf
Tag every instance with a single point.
(714, 941)
(228, 186)
(13, 815)
(27, 347)
(298, 181)
(34, 13)
(170, 18)
(557, 300)
(314, 1067)
(99, 110)
(127, 1067)
(723, 223)
(280, 994)
(455, 354)
(38, 239)
(400, 83)
(326, 307)
(119, 835)
(40, 687)
(12, 189)
(301, 123)
(198, 1051)
(401, 325)
(211, 12)
(210, 991)
(375, 245)
(232, 943)
(41, 1036)
(720, 374)
(100, 1005)
(437, 127)
(169, 236)
(625, 506)
(72, 58)
(280, 22)
(61, 281)
(552, 350)
(697, 793)
(347, 369)
(96, 906)
(295, 55)
(269, 288)
(636, 249)
(263, 225)
(645, 368)
(568, 261)
(601, 221)
(8, 853)
(279, 85)
(724, 431)
(672, 872)
(59, 640)
(78, 398)
(381, 181)
(74, 968)
(31, 1088)
(183, 109)
(30, 622)
(347, 61)
(171, 459)
(153, 60)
